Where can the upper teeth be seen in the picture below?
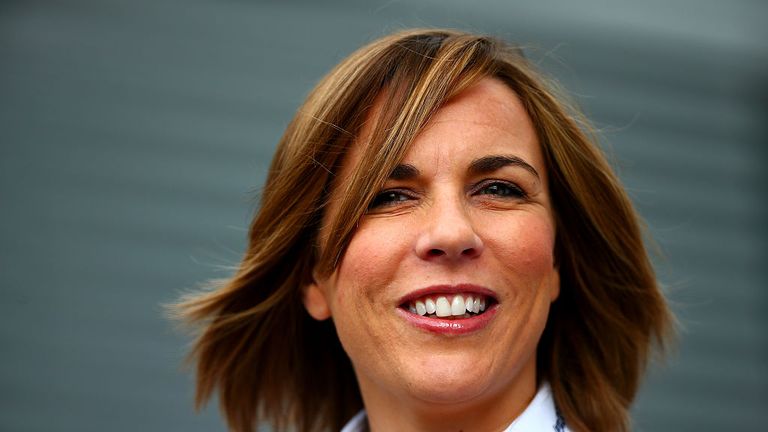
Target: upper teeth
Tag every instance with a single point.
(446, 305)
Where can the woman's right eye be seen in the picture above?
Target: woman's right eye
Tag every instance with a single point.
(388, 198)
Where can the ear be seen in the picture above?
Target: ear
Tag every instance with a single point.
(315, 302)
(554, 285)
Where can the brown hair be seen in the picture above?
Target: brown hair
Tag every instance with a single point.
(271, 362)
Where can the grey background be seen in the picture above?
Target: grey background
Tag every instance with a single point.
(134, 134)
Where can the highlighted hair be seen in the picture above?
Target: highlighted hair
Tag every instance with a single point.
(271, 362)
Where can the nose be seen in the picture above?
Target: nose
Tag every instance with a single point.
(448, 234)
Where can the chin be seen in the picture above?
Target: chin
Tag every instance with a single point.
(457, 391)
(449, 380)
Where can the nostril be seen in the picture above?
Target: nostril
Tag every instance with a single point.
(469, 252)
(436, 252)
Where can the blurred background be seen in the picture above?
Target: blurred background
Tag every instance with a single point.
(134, 136)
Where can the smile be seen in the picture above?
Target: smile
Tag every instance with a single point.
(455, 306)
(450, 310)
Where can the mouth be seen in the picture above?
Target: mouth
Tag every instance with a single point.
(450, 306)
(450, 310)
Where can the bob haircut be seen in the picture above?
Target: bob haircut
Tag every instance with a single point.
(271, 362)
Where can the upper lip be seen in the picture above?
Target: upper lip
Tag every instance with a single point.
(448, 289)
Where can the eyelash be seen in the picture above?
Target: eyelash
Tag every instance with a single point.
(392, 197)
(380, 200)
(511, 190)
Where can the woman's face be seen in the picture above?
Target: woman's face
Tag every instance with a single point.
(466, 214)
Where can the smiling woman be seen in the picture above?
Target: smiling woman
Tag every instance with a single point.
(461, 219)
(440, 244)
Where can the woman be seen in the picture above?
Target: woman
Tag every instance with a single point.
(440, 244)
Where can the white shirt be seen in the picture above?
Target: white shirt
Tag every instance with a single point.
(539, 415)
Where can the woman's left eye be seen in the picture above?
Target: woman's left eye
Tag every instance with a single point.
(500, 189)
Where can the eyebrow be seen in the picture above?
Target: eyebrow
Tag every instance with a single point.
(404, 172)
(484, 165)
(489, 164)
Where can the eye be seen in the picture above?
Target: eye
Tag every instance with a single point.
(500, 189)
(388, 198)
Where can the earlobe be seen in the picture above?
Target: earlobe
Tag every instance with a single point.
(554, 285)
(315, 302)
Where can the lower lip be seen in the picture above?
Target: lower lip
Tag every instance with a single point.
(450, 326)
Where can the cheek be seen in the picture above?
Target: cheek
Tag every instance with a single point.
(371, 260)
(524, 243)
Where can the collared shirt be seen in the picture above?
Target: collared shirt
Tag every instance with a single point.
(540, 415)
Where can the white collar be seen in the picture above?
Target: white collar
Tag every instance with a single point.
(539, 415)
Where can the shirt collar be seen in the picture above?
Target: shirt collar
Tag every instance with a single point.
(540, 415)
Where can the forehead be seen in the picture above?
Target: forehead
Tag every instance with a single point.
(488, 117)
(489, 102)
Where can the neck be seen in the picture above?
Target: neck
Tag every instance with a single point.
(494, 411)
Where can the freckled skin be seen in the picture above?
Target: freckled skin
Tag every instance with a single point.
(411, 379)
